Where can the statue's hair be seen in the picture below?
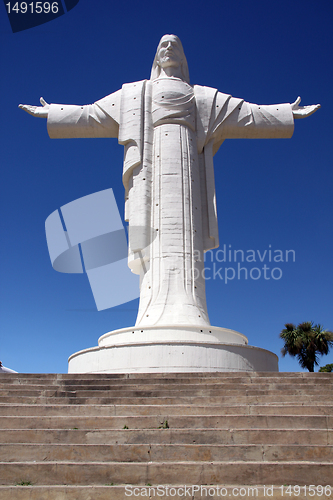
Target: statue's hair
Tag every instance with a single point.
(156, 70)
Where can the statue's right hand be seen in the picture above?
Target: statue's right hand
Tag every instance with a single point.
(40, 111)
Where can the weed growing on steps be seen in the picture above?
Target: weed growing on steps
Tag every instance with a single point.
(164, 425)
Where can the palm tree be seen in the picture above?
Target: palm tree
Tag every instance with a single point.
(306, 342)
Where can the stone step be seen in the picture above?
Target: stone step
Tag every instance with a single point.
(21, 452)
(174, 422)
(176, 375)
(157, 385)
(159, 376)
(101, 379)
(169, 436)
(175, 383)
(174, 491)
(190, 391)
(89, 473)
(296, 395)
(161, 410)
(157, 389)
(169, 400)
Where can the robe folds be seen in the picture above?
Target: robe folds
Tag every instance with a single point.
(170, 132)
(126, 115)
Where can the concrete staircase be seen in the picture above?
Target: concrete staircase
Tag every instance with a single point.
(98, 437)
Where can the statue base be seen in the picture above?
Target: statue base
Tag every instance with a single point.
(172, 349)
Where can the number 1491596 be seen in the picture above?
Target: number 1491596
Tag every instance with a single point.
(311, 490)
(32, 7)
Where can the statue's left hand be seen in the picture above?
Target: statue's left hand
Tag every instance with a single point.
(303, 111)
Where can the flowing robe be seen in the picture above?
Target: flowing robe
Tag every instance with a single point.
(170, 132)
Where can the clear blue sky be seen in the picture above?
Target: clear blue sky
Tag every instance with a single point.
(269, 192)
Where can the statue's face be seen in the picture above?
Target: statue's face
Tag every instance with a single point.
(169, 53)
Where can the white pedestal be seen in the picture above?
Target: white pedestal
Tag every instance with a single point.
(171, 349)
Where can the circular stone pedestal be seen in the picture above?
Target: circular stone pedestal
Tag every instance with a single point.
(171, 349)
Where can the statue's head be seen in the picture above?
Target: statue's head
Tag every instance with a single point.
(170, 53)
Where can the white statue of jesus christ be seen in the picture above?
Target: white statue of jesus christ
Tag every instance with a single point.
(170, 131)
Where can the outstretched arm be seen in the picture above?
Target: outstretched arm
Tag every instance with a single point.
(234, 118)
(100, 119)
(303, 111)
